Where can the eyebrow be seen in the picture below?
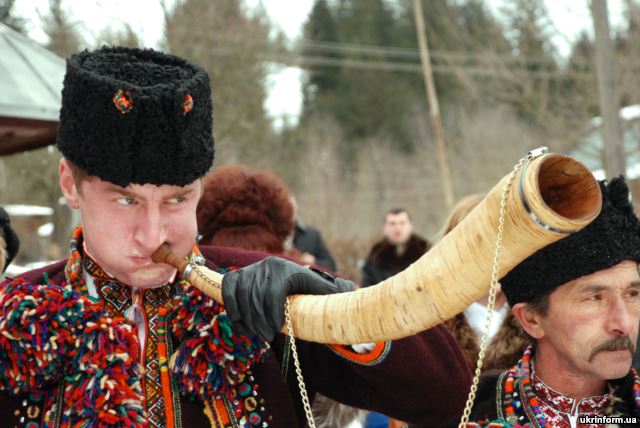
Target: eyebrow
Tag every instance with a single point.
(598, 288)
(181, 193)
(122, 192)
(125, 192)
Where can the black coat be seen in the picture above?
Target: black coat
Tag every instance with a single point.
(383, 260)
(308, 240)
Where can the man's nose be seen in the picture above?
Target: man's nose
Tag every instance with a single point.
(151, 230)
(622, 317)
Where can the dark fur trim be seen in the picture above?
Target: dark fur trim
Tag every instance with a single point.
(158, 140)
(614, 236)
(384, 255)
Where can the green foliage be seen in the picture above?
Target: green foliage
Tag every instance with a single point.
(371, 81)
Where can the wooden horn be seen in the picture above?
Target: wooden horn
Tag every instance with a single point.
(550, 197)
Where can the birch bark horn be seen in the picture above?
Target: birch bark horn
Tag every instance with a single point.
(551, 196)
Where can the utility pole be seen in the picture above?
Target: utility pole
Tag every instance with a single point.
(434, 107)
(614, 157)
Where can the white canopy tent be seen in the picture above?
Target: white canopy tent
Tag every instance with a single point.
(30, 84)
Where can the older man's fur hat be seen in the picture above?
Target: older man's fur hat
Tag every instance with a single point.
(614, 236)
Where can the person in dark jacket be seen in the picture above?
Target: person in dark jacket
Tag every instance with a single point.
(309, 242)
(399, 248)
(108, 338)
(9, 242)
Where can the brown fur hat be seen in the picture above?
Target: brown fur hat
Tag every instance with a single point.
(246, 209)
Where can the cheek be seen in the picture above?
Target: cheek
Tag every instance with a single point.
(583, 334)
(182, 229)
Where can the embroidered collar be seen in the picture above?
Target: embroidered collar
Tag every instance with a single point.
(523, 400)
(591, 405)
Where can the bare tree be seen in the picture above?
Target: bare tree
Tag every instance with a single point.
(64, 38)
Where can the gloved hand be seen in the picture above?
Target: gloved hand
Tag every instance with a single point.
(255, 295)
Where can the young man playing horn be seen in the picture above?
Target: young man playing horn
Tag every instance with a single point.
(578, 300)
(107, 338)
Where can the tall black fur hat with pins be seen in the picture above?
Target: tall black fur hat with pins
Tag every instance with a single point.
(613, 237)
(136, 116)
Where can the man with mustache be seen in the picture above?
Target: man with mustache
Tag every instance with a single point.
(578, 302)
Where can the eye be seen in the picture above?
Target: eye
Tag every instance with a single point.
(634, 293)
(595, 298)
(126, 200)
(176, 200)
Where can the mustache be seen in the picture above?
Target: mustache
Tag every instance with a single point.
(617, 344)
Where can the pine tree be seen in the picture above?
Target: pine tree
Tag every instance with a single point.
(365, 102)
(320, 28)
(368, 102)
(534, 81)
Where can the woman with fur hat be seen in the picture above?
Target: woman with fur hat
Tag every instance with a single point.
(244, 208)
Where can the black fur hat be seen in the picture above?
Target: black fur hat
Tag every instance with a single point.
(613, 237)
(10, 237)
(136, 116)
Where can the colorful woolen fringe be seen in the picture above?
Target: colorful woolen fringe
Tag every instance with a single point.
(54, 334)
(211, 358)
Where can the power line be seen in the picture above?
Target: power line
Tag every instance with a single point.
(473, 63)
(387, 51)
(304, 61)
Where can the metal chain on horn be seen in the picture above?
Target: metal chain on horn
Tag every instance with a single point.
(487, 324)
(296, 362)
(494, 284)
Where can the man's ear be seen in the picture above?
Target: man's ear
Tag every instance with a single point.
(68, 185)
(529, 319)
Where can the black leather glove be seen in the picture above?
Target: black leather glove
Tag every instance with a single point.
(255, 295)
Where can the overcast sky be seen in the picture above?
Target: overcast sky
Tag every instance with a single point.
(570, 17)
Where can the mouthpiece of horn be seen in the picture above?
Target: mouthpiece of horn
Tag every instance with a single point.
(550, 197)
